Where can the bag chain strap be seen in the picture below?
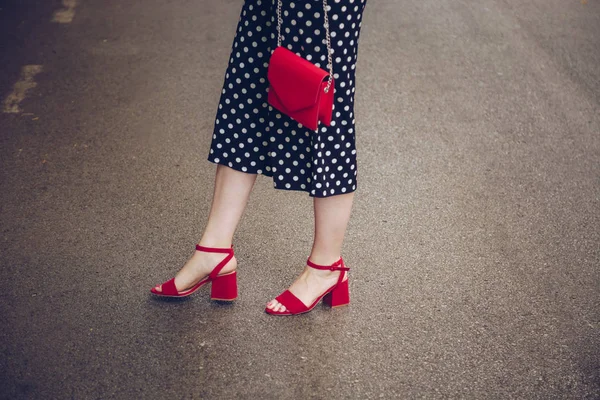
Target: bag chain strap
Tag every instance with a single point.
(326, 25)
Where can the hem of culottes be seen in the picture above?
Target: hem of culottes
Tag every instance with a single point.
(269, 174)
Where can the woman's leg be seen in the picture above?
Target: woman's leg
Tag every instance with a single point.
(331, 219)
(231, 193)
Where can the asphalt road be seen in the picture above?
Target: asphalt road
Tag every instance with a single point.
(474, 242)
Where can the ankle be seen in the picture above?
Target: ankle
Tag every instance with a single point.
(324, 259)
(215, 243)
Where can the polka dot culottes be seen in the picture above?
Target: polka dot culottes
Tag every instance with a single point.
(252, 136)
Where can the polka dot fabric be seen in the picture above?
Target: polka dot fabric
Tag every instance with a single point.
(252, 136)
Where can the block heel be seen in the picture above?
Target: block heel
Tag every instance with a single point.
(224, 287)
(339, 296)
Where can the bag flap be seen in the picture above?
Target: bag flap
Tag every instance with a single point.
(296, 81)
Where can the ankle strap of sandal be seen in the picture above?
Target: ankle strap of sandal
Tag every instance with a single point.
(219, 267)
(336, 266)
(225, 250)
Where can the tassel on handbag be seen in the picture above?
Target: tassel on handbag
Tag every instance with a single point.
(297, 87)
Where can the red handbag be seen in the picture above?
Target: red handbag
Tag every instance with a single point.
(299, 88)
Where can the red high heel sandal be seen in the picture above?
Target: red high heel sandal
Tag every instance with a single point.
(224, 287)
(336, 296)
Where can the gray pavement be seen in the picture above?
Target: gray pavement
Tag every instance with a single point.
(474, 242)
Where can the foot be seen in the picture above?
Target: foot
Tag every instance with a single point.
(311, 284)
(199, 267)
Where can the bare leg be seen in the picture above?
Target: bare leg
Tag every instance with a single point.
(331, 219)
(231, 193)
